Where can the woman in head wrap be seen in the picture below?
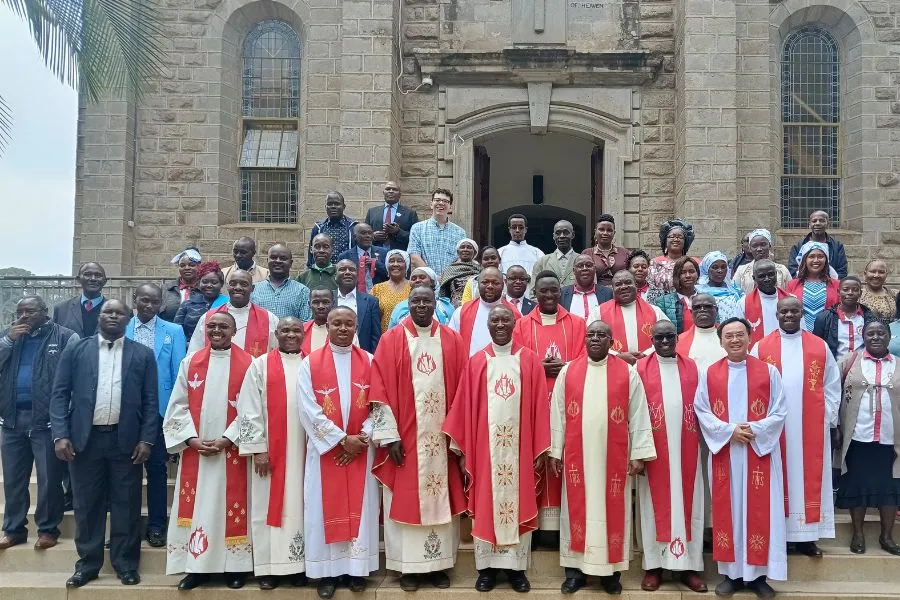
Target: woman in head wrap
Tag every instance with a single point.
(460, 271)
(489, 258)
(207, 295)
(424, 276)
(814, 286)
(675, 239)
(760, 248)
(715, 280)
(177, 291)
(396, 289)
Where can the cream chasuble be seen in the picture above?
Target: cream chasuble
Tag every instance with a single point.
(629, 317)
(359, 557)
(793, 381)
(200, 548)
(241, 316)
(276, 550)
(679, 554)
(594, 416)
(717, 434)
(432, 547)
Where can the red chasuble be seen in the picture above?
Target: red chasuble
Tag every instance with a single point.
(759, 468)
(343, 487)
(467, 315)
(467, 425)
(392, 385)
(753, 313)
(658, 470)
(611, 314)
(617, 380)
(235, 465)
(256, 338)
(814, 350)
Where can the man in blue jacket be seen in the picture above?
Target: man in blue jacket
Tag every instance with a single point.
(818, 231)
(169, 347)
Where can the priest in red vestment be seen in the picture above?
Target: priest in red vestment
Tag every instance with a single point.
(600, 431)
(470, 319)
(760, 305)
(415, 372)
(499, 422)
(557, 338)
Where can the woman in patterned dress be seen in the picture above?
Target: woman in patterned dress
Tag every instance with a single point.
(814, 285)
(675, 239)
(396, 289)
(878, 298)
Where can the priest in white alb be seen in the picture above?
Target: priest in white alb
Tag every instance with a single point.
(741, 410)
(499, 422)
(812, 394)
(760, 305)
(600, 432)
(470, 319)
(271, 434)
(208, 530)
(671, 497)
(416, 369)
(701, 343)
(340, 495)
(255, 325)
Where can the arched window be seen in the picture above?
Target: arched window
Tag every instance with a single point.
(270, 110)
(810, 114)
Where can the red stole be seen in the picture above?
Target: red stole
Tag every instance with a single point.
(306, 346)
(235, 465)
(392, 386)
(687, 319)
(256, 338)
(758, 467)
(832, 293)
(467, 314)
(276, 423)
(754, 315)
(813, 441)
(617, 385)
(611, 314)
(658, 470)
(342, 498)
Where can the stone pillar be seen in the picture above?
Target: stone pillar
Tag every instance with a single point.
(104, 190)
(706, 122)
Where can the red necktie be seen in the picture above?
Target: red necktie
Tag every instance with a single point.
(584, 297)
(361, 274)
(388, 214)
(89, 305)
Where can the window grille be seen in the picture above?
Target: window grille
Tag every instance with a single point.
(810, 107)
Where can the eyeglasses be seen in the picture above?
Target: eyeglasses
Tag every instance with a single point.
(703, 307)
(597, 336)
(665, 337)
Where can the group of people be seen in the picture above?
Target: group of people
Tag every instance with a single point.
(534, 394)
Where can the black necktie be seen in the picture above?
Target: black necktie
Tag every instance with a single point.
(109, 345)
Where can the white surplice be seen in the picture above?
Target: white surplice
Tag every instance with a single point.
(706, 348)
(679, 554)
(480, 335)
(208, 524)
(769, 316)
(793, 381)
(629, 318)
(241, 317)
(594, 424)
(359, 557)
(276, 550)
(717, 434)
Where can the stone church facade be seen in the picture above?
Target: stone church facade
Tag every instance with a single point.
(731, 114)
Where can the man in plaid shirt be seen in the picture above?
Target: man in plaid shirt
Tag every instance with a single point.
(279, 294)
(432, 242)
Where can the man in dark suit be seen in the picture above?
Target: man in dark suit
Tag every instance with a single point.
(368, 312)
(582, 297)
(104, 418)
(80, 313)
(371, 257)
(392, 221)
(517, 280)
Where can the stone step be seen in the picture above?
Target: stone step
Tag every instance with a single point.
(32, 491)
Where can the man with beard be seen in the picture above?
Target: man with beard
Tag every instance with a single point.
(470, 319)
(630, 318)
(584, 295)
(414, 375)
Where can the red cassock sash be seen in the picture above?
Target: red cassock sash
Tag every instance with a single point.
(392, 386)
(256, 338)
(467, 315)
(813, 441)
(611, 314)
(658, 470)
(754, 315)
(758, 467)
(617, 385)
(235, 465)
(342, 487)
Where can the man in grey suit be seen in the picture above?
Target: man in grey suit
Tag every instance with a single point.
(562, 260)
(104, 418)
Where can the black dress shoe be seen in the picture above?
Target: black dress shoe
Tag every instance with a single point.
(192, 580)
(156, 539)
(129, 578)
(889, 546)
(439, 579)
(487, 580)
(267, 582)
(409, 582)
(809, 549)
(573, 584)
(235, 581)
(298, 580)
(761, 588)
(79, 579)
(326, 587)
(729, 586)
(518, 581)
(357, 584)
(611, 584)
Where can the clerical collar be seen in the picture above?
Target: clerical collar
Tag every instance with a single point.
(597, 363)
(340, 349)
(222, 351)
(765, 295)
(784, 333)
(491, 304)
(423, 330)
(502, 350)
(233, 308)
(318, 325)
(666, 359)
(737, 365)
(290, 353)
(706, 330)
(549, 319)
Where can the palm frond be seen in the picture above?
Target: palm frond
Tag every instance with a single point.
(6, 125)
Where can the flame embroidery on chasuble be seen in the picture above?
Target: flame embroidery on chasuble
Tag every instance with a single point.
(503, 401)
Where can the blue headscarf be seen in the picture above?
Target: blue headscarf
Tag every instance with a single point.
(727, 295)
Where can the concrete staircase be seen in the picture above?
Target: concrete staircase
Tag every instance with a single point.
(28, 574)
